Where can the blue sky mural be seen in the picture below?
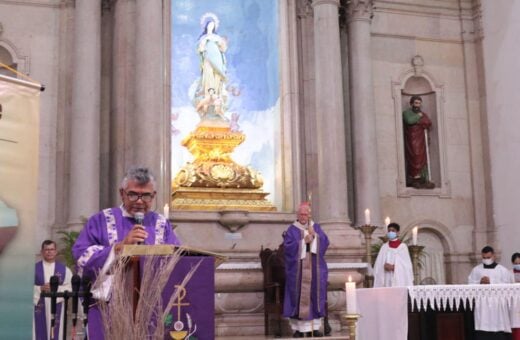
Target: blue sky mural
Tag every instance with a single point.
(251, 29)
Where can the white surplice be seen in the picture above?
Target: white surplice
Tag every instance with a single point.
(402, 275)
(48, 271)
(491, 315)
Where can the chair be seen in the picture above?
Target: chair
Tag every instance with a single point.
(428, 281)
(273, 267)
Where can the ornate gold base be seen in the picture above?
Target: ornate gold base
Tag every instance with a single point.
(217, 199)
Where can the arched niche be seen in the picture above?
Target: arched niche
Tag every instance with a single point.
(10, 56)
(436, 239)
(418, 81)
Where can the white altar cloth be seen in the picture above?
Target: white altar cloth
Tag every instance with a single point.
(384, 313)
(493, 304)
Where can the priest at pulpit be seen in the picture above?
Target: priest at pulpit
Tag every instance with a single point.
(104, 234)
(489, 272)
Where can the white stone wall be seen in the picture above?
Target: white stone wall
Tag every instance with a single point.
(502, 71)
(399, 33)
(33, 30)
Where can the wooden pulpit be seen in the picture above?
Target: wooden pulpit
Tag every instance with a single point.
(193, 310)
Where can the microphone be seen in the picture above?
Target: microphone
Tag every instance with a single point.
(75, 282)
(86, 301)
(54, 283)
(139, 218)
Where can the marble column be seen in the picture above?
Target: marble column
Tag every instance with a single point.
(123, 94)
(362, 110)
(85, 116)
(330, 124)
(151, 120)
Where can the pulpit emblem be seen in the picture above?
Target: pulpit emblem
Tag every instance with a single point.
(181, 331)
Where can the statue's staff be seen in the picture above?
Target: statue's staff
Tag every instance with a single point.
(426, 142)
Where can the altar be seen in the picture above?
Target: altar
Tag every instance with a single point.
(431, 312)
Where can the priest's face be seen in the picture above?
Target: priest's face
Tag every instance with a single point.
(304, 214)
(49, 252)
(137, 197)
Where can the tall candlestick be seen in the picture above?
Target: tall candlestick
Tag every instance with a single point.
(167, 211)
(367, 216)
(387, 221)
(350, 292)
(414, 235)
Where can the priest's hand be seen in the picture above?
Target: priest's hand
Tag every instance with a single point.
(46, 288)
(389, 267)
(485, 280)
(137, 234)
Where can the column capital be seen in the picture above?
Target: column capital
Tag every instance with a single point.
(360, 10)
(304, 8)
(316, 3)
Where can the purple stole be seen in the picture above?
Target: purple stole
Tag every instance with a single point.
(40, 319)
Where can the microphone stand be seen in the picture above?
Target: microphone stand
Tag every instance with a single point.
(54, 283)
(54, 294)
(86, 303)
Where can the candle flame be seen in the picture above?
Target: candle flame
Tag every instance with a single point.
(349, 278)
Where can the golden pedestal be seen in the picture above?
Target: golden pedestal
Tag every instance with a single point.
(213, 181)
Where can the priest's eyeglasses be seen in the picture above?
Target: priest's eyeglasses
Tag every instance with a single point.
(134, 196)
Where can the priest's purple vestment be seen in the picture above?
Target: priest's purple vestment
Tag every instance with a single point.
(95, 242)
(293, 248)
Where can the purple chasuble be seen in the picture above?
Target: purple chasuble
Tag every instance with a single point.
(94, 243)
(40, 319)
(293, 267)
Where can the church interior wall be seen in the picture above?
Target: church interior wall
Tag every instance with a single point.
(501, 47)
(400, 30)
(34, 34)
(398, 36)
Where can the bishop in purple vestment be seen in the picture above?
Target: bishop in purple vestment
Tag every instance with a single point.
(107, 231)
(306, 273)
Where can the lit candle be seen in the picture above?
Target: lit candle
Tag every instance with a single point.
(350, 292)
(387, 221)
(414, 235)
(167, 211)
(367, 216)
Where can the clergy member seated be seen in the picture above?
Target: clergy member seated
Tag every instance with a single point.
(43, 271)
(107, 231)
(489, 272)
(306, 273)
(393, 266)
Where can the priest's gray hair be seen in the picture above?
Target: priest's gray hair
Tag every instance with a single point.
(141, 175)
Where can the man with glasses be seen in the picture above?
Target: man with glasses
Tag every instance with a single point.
(43, 271)
(106, 232)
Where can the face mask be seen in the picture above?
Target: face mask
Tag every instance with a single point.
(391, 235)
(487, 262)
(516, 266)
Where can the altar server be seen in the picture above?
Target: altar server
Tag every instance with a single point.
(393, 267)
(489, 272)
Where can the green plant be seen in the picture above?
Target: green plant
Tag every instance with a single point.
(68, 239)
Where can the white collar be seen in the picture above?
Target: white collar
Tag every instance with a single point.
(125, 213)
(303, 226)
